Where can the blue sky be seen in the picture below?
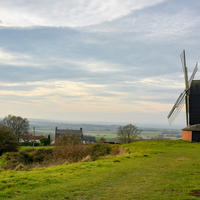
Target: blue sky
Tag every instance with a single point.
(90, 60)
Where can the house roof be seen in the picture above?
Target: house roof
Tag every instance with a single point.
(68, 131)
(36, 137)
(195, 127)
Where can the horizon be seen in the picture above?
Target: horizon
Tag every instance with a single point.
(140, 125)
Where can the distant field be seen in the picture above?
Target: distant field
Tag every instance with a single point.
(99, 134)
(151, 170)
(149, 134)
(112, 135)
(107, 134)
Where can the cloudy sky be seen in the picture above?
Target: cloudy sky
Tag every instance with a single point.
(93, 60)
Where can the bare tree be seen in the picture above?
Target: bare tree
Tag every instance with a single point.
(17, 124)
(128, 133)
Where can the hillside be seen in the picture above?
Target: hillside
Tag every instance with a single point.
(151, 170)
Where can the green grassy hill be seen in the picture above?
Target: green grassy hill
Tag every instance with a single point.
(151, 170)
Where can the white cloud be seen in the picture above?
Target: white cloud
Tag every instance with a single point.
(96, 66)
(76, 13)
(16, 59)
(50, 88)
(156, 25)
(90, 65)
(172, 81)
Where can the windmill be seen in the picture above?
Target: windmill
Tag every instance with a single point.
(191, 97)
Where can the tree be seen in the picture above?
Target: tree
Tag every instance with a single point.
(128, 133)
(17, 124)
(102, 140)
(8, 141)
(45, 141)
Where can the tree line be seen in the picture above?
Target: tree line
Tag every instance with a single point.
(14, 128)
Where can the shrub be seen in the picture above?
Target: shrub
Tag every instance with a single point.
(115, 150)
(45, 141)
(8, 141)
(99, 149)
(71, 153)
(30, 144)
(59, 154)
(42, 155)
(10, 160)
(26, 157)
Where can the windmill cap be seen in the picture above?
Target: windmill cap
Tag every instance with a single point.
(195, 127)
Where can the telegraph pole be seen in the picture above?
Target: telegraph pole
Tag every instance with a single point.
(34, 136)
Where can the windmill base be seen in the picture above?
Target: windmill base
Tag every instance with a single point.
(191, 133)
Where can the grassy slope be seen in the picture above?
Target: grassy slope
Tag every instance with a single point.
(155, 170)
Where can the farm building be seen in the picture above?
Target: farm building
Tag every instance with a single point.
(88, 139)
(32, 138)
(61, 132)
(85, 139)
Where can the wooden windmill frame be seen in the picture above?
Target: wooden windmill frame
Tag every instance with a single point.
(191, 97)
(184, 96)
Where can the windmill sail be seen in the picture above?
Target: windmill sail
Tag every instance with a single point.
(185, 94)
(177, 107)
(193, 74)
(176, 112)
(183, 60)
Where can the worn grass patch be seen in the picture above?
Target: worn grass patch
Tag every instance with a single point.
(150, 170)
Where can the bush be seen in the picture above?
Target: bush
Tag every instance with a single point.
(30, 156)
(71, 153)
(59, 154)
(8, 141)
(115, 150)
(75, 153)
(10, 160)
(45, 141)
(26, 157)
(42, 155)
(99, 149)
(31, 144)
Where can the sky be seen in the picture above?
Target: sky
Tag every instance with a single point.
(96, 61)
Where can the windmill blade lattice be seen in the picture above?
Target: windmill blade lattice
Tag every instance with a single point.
(177, 107)
(185, 96)
(183, 61)
(193, 74)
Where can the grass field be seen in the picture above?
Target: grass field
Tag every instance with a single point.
(149, 134)
(109, 135)
(151, 170)
(102, 134)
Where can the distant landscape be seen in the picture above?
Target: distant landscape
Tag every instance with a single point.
(107, 131)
